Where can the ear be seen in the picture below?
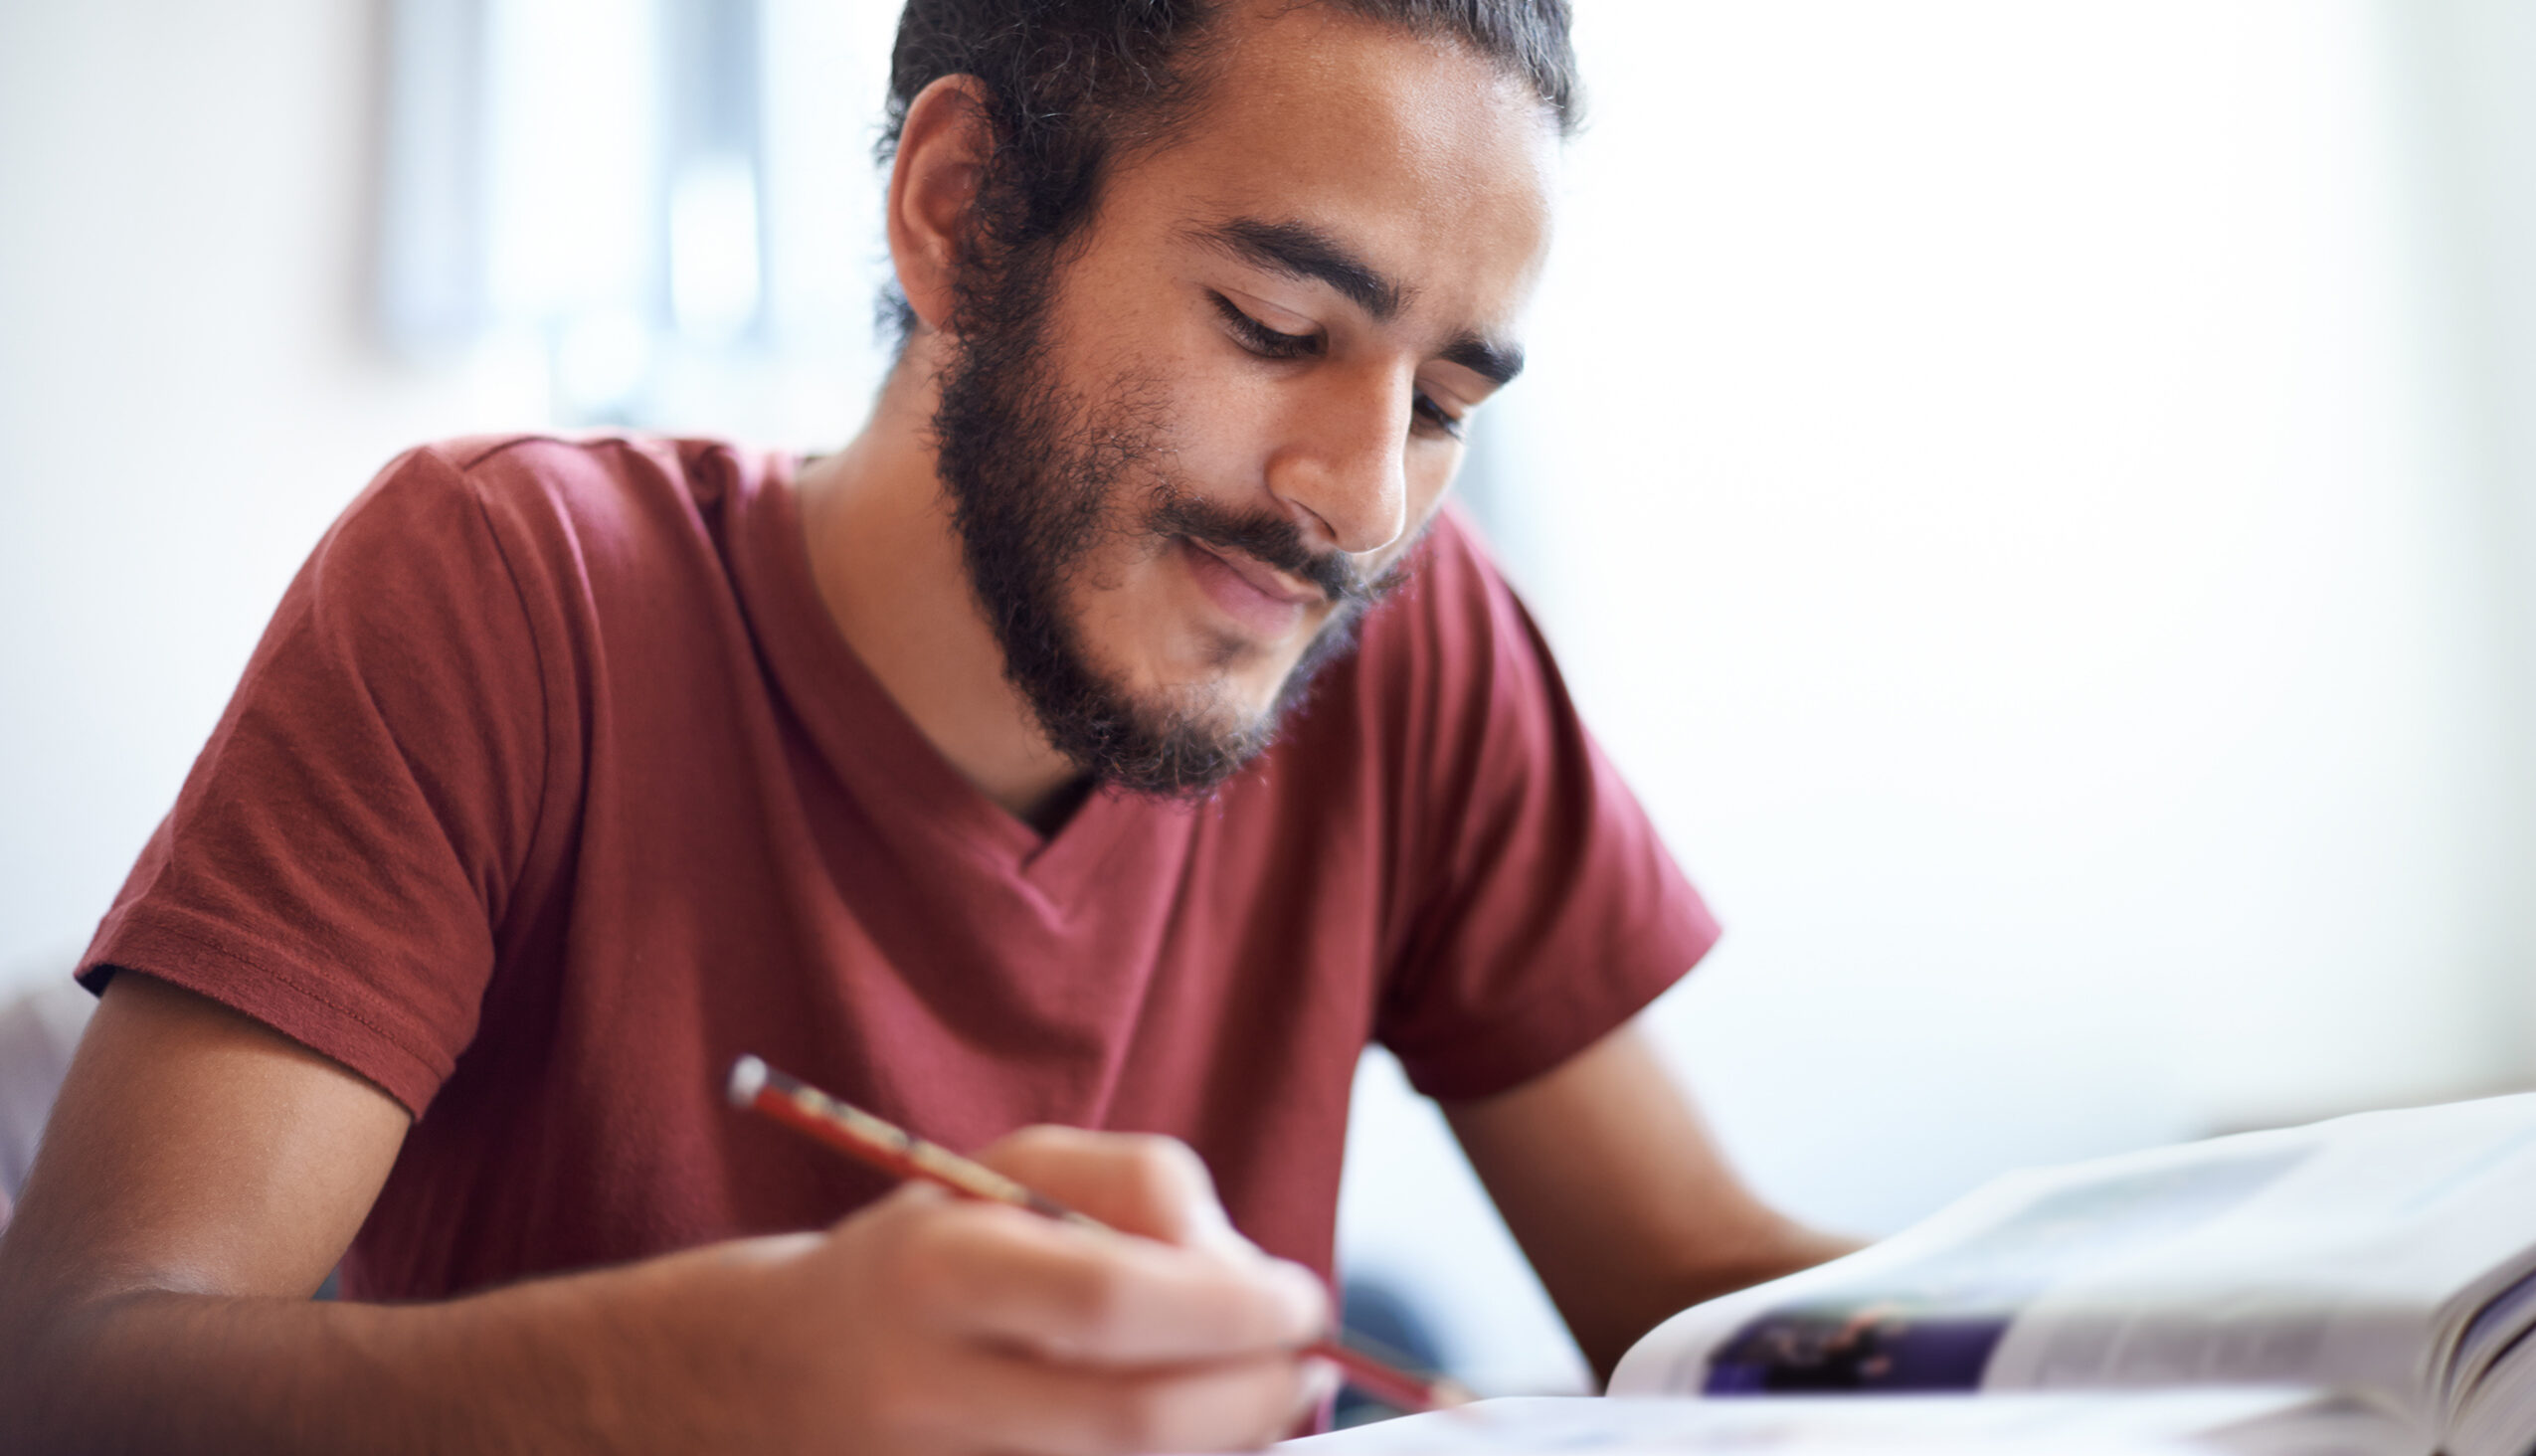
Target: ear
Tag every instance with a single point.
(943, 151)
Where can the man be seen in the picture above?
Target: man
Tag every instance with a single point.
(1044, 757)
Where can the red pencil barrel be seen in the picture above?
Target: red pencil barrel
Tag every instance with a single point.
(763, 1090)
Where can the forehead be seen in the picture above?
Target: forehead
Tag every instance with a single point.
(1430, 161)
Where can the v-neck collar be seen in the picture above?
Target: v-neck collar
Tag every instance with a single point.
(867, 740)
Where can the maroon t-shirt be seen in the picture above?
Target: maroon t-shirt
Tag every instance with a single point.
(552, 789)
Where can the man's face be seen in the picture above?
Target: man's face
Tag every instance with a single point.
(1187, 455)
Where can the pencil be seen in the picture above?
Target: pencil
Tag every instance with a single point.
(893, 1150)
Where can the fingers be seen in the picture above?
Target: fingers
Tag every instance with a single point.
(1086, 1296)
(1018, 1333)
(1134, 1182)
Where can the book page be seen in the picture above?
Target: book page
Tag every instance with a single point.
(1924, 1311)
(2243, 1422)
(2354, 1252)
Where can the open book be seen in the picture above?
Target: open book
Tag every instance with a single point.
(2364, 1284)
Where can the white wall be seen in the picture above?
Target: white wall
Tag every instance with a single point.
(185, 400)
(191, 386)
(2068, 597)
(2010, 486)
(2032, 495)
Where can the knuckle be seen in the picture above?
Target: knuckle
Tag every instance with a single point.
(928, 1261)
(1164, 1174)
(1040, 1138)
(1146, 1175)
(1097, 1305)
(1170, 1160)
(1036, 1151)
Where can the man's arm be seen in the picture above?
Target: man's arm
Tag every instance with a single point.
(201, 1174)
(1620, 1198)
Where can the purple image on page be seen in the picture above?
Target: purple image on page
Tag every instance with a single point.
(1931, 1327)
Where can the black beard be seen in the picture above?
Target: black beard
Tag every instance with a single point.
(1039, 477)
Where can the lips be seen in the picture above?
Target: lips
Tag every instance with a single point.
(1264, 602)
(1264, 579)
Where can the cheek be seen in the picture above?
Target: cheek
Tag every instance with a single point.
(1200, 416)
(1223, 429)
(1430, 477)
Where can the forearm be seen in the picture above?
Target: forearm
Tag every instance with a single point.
(587, 1362)
(1620, 1198)
(1609, 1307)
(200, 1172)
(1763, 1249)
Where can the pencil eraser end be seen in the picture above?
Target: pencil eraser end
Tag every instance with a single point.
(747, 1078)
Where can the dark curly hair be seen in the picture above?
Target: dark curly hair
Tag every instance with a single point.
(1073, 85)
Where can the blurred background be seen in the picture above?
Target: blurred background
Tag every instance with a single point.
(2038, 499)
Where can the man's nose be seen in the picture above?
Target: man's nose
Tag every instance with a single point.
(1344, 460)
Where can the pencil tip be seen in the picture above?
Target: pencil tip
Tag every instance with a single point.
(747, 1078)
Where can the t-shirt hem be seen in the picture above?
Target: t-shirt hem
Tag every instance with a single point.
(289, 999)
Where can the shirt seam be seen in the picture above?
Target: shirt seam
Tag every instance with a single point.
(545, 687)
(467, 467)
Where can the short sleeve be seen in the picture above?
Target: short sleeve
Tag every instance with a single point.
(1542, 910)
(341, 854)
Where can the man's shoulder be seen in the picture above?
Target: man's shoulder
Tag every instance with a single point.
(590, 498)
(585, 472)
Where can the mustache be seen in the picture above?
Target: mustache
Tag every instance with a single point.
(1275, 540)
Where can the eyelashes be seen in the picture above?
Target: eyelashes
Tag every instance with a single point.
(1269, 343)
(1433, 414)
(1260, 339)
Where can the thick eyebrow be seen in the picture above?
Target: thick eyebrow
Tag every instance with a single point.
(1496, 363)
(1301, 251)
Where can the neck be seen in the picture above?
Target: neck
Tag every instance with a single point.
(887, 559)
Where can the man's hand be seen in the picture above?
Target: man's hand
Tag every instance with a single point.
(944, 1326)
(201, 1174)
